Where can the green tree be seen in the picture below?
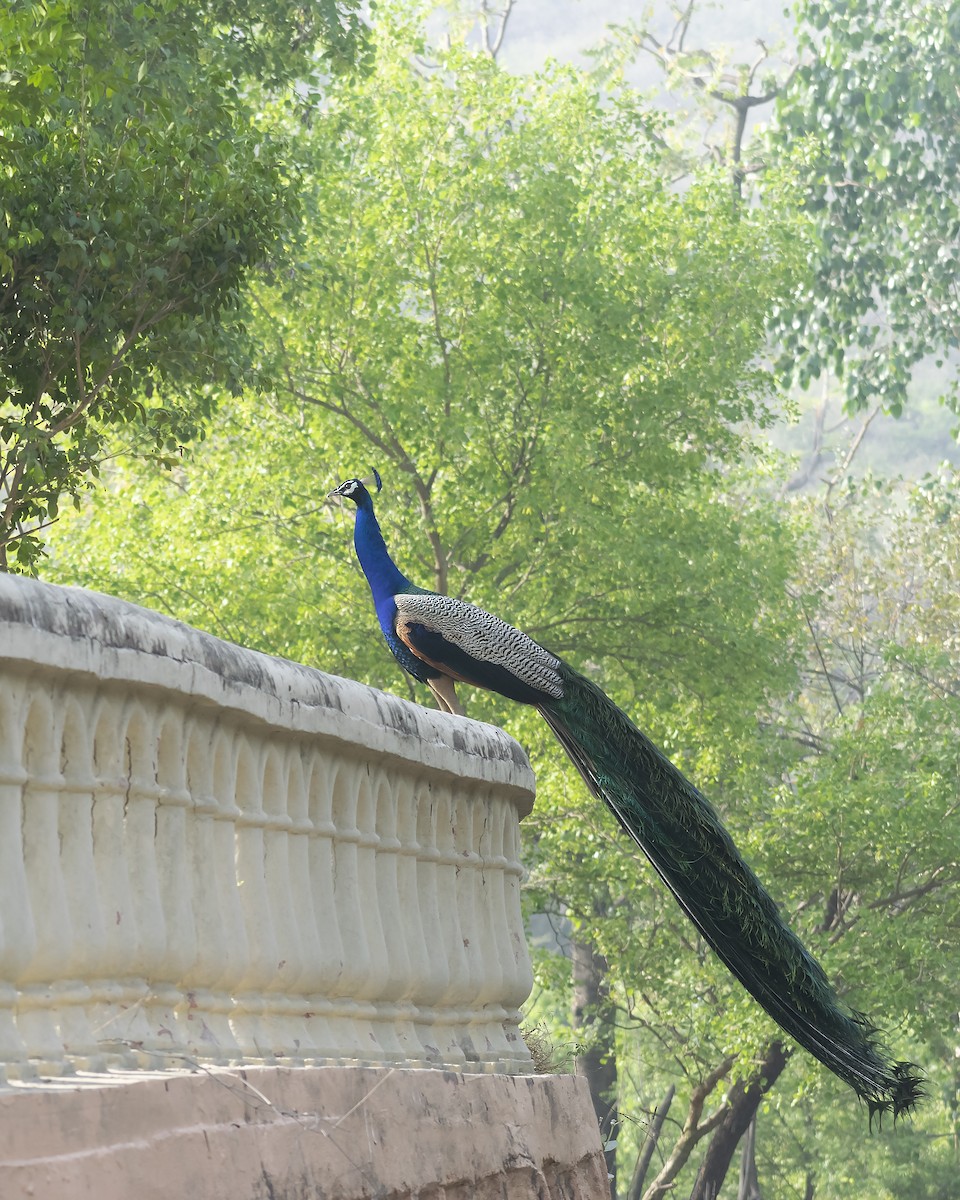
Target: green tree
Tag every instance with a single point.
(877, 105)
(846, 803)
(138, 186)
(499, 300)
(876, 867)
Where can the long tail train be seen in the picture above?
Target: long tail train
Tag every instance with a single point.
(440, 640)
(681, 834)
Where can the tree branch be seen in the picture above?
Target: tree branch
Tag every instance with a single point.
(694, 1130)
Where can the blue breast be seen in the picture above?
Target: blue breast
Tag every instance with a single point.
(385, 580)
(408, 660)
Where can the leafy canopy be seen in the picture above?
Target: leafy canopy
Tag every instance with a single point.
(138, 186)
(497, 298)
(876, 107)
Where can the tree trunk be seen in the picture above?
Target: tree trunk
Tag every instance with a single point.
(749, 1182)
(650, 1145)
(743, 1101)
(593, 1020)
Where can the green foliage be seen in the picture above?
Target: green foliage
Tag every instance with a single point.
(849, 813)
(229, 542)
(497, 299)
(877, 104)
(138, 186)
(551, 355)
(875, 858)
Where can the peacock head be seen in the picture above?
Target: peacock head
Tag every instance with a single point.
(356, 489)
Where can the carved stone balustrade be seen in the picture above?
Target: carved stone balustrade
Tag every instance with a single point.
(210, 854)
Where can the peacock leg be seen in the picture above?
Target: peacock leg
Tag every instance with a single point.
(445, 691)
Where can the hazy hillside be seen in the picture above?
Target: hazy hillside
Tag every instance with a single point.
(564, 29)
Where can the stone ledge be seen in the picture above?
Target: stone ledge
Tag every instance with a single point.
(280, 1133)
(69, 629)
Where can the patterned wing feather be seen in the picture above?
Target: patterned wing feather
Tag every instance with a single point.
(471, 644)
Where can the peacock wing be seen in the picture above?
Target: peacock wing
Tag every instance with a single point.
(472, 645)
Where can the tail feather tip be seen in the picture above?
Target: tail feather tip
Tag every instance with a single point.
(904, 1089)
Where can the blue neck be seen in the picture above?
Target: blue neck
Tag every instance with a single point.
(382, 573)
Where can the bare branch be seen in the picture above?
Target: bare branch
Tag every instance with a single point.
(498, 42)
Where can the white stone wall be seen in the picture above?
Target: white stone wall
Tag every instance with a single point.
(210, 854)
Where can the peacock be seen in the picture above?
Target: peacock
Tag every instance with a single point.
(439, 640)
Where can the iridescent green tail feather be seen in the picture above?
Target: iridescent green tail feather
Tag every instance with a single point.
(681, 834)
